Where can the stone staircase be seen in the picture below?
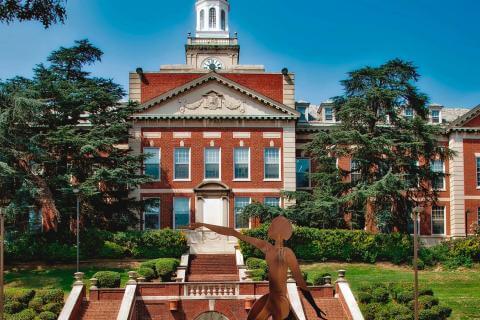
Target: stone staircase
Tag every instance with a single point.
(212, 268)
(100, 310)
(331, 306)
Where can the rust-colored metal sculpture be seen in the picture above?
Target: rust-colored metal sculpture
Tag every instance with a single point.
(275, 304)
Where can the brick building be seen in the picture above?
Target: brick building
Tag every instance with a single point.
(222, 134)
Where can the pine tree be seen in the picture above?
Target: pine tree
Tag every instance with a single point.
(65, 125)
(393, 153)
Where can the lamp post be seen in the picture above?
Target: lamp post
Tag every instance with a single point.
(76, 191)
(416, 212)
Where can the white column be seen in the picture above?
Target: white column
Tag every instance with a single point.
(289, 176)
(457, 186)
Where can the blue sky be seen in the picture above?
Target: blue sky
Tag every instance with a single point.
(318, 40)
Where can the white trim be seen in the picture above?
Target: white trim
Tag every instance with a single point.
(72, 300)
(182, 135)
(444, 221)
(241, 135)
(259, 190)
(272, 135)
(166, 191)
(219, 164)
(128, 302)
(189, 210)
(152, 135)
(189, 164)
(279, 164)
(212, 135)
(249, 165)
(350, 301)
(471, 197)
(159, 162)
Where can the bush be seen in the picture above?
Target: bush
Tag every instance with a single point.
(370, 310)
(165, 267)
(53, 307)
(364, 297)
(380, 295)
(50, 295)
(20, 295)
(36, 304)
(257, 274)
(394, 311)
(442, 311)
(160, 244)
(107, 279)
(147, 273)
(13, 307)
(424, 302)
(27, 314)
(256, 263)
(47, 315)
(111, 250)
(405, 297)
(151, 264)
(58, 252)
(318, 279)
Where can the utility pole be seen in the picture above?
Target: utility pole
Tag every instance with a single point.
(2, 238)
(77, 194)
(416, 212)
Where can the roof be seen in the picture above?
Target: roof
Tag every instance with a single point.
(464, 119)
(288, 113)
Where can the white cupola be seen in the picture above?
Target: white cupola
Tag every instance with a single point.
(212, 18)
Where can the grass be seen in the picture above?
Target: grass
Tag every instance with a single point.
(460, 289)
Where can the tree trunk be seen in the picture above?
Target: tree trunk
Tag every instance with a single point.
(370, 220)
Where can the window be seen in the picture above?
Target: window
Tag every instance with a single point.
(151, 163)
(328, 114)
(478, 172)
(181, 212)
(151, 215)
(223, 20)
(303, 114)
(182, 164)
(355, 173)
(202, 20)
(272, 201)
(409, 113)
(212, 18)
(438, 220)
(241, 162)
(303, 172)
(241, 222)
(435, 116)
(212, 163)
(272, 163)
(35, 220)
(438, 182)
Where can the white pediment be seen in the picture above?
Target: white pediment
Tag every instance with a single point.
(211, 99)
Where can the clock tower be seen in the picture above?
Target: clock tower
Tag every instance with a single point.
(212, 47)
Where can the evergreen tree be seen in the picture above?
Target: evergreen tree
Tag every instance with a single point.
(393, 153)
(45, 11)
(65, 125)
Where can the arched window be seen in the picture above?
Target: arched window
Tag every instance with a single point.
(212, 18)
(202, 20)
(223, 20)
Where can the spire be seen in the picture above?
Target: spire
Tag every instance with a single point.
(212, 18)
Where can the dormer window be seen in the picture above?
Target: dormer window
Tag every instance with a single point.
(303, 113)
(328, 114)
(435, 114)
(409, 113)
(212, 18)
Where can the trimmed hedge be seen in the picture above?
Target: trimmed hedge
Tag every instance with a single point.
(147, 273)
(20, 295)
(256, 263)
(26, 314)
(47, 315)
(107, 279)
(339, 245)
(166, 267)
(25, 304)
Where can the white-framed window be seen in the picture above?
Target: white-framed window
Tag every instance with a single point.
(151, 215)
(303, 113)
(303, 172)
(272, 201)
(241, 163)
(212, 163)
(409, 113)
(181, 212)
(181, 170)
(151, 164)
(435, 116)
(202, 19)
(271, 163)
(438, 166)
(223, 20)
(328, 113)
(355, 173)
(212, 18)
(240, 203)
(477, 160)
(438, 220)
(35, 220)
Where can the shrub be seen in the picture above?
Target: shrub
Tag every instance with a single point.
(428, 314)
(53, 307)
(380, 295)
(165, 268)
(26, 314)
(13, 307)
(364, 297)
(405, 297)
(318, 279)
(160, 244)
(36, 304)
(370, 310)
(256, 263)
(47, 315)
(151, 264)
(424, 302)
(442, 311)
(50, 295)
(111, 250)
(58, 252)
(257, 274)
(108, 279)
(147, 273)
(394, 311)
(20, 295)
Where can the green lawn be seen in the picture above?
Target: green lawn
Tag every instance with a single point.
(460, 290)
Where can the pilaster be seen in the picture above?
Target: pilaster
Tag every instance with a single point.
(457, 186)
(289, 176)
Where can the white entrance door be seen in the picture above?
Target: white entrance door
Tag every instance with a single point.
(213, 211)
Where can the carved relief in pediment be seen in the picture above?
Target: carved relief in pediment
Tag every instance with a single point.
(212, 100)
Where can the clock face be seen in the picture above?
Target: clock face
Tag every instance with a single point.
(212, 64)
